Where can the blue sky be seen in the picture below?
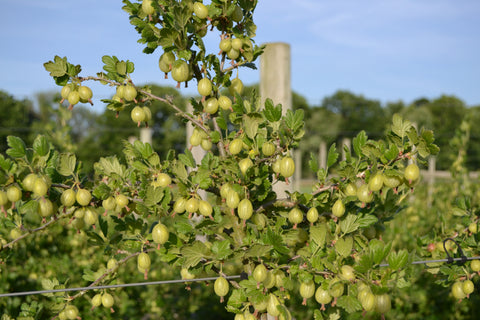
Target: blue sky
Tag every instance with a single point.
(384, 49)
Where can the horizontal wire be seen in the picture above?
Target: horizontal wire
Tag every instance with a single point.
(150, 283)
(124, 285)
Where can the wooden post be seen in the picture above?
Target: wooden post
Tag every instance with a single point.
(275, 83)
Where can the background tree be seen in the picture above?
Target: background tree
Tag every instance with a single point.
(17, 118)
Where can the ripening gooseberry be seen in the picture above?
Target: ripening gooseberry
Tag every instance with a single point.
(107, 300)
(383, 303)
(138, 115)
(85, 93)
(147, 7)
(68, 197)
(130, 93)
(204, 87)
(83, 197)
(236, 86)
(225, 44)
(245, 209)
(160, 233)
(224, 102)
(412, 172)
(221, 287)
(211, 105)
(260, 273)
(14, 193)
(295, 216)
(268, 148)
(205, 208)
(287, 167)
(338, 209)
(376, 182)
(235, 146)
(200, 10)
(312, 215)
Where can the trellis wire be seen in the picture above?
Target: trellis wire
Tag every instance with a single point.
(150, 283)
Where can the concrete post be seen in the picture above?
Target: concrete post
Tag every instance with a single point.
(322, 155)
(146, 135)
(275, 83)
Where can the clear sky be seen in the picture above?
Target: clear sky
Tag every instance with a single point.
(384, 49)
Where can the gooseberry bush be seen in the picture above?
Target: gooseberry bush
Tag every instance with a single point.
(220, 216)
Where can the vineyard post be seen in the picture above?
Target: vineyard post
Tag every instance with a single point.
(275, 83)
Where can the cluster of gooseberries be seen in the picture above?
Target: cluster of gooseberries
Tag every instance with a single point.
(103, 299)
(191, 205)
(76, 93)
(330, 290)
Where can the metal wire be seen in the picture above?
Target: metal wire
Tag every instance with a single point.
(124, 285)
(152, 283)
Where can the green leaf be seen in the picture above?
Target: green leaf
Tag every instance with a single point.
(378, 250)
(221, 249)
(29, 207)
(102, 191)
(398, 260)
(332, 155)
(110, 165)
(272, 113)
(391, 153)
(344, 246)
(258, 250)
(400, 127)
(153, 196)
(364, 265)
(121, 67)
(41, 146)
(17, 147)
(145, 149)
(366, 221)
(294, 121)
(349, 303)
(57, 67)
(250, 125)
(66, 164)
(187, 159)
(194, 253)
(237, 298)
(313, 162)
(349, 224)
(318, 234)
(358, 142)
(103, 225)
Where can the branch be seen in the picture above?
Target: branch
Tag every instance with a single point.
(221, 146)
(152, 96)
(32, 231)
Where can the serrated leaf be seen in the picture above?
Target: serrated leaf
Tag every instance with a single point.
(400, 126)
(391, 153)
(349, 224)
(258, 250)
(294, 120)
(103, 223)
(250, 125)
(29, 207)
(17, 147)
(57, 67)
(66, 164)
(332, 155)
(221, 249)
(102, 191)
(398, 260)
(272, 113)
(187, 159)
(110, 165)
(366, 221)
(344, 246)
(359, 142)
(194, 253)
(153, 196)
(41, 146)
(318, 234)
(349, 303)
(313, 162)
(121, 67)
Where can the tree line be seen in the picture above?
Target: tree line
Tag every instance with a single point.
(341, 115)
